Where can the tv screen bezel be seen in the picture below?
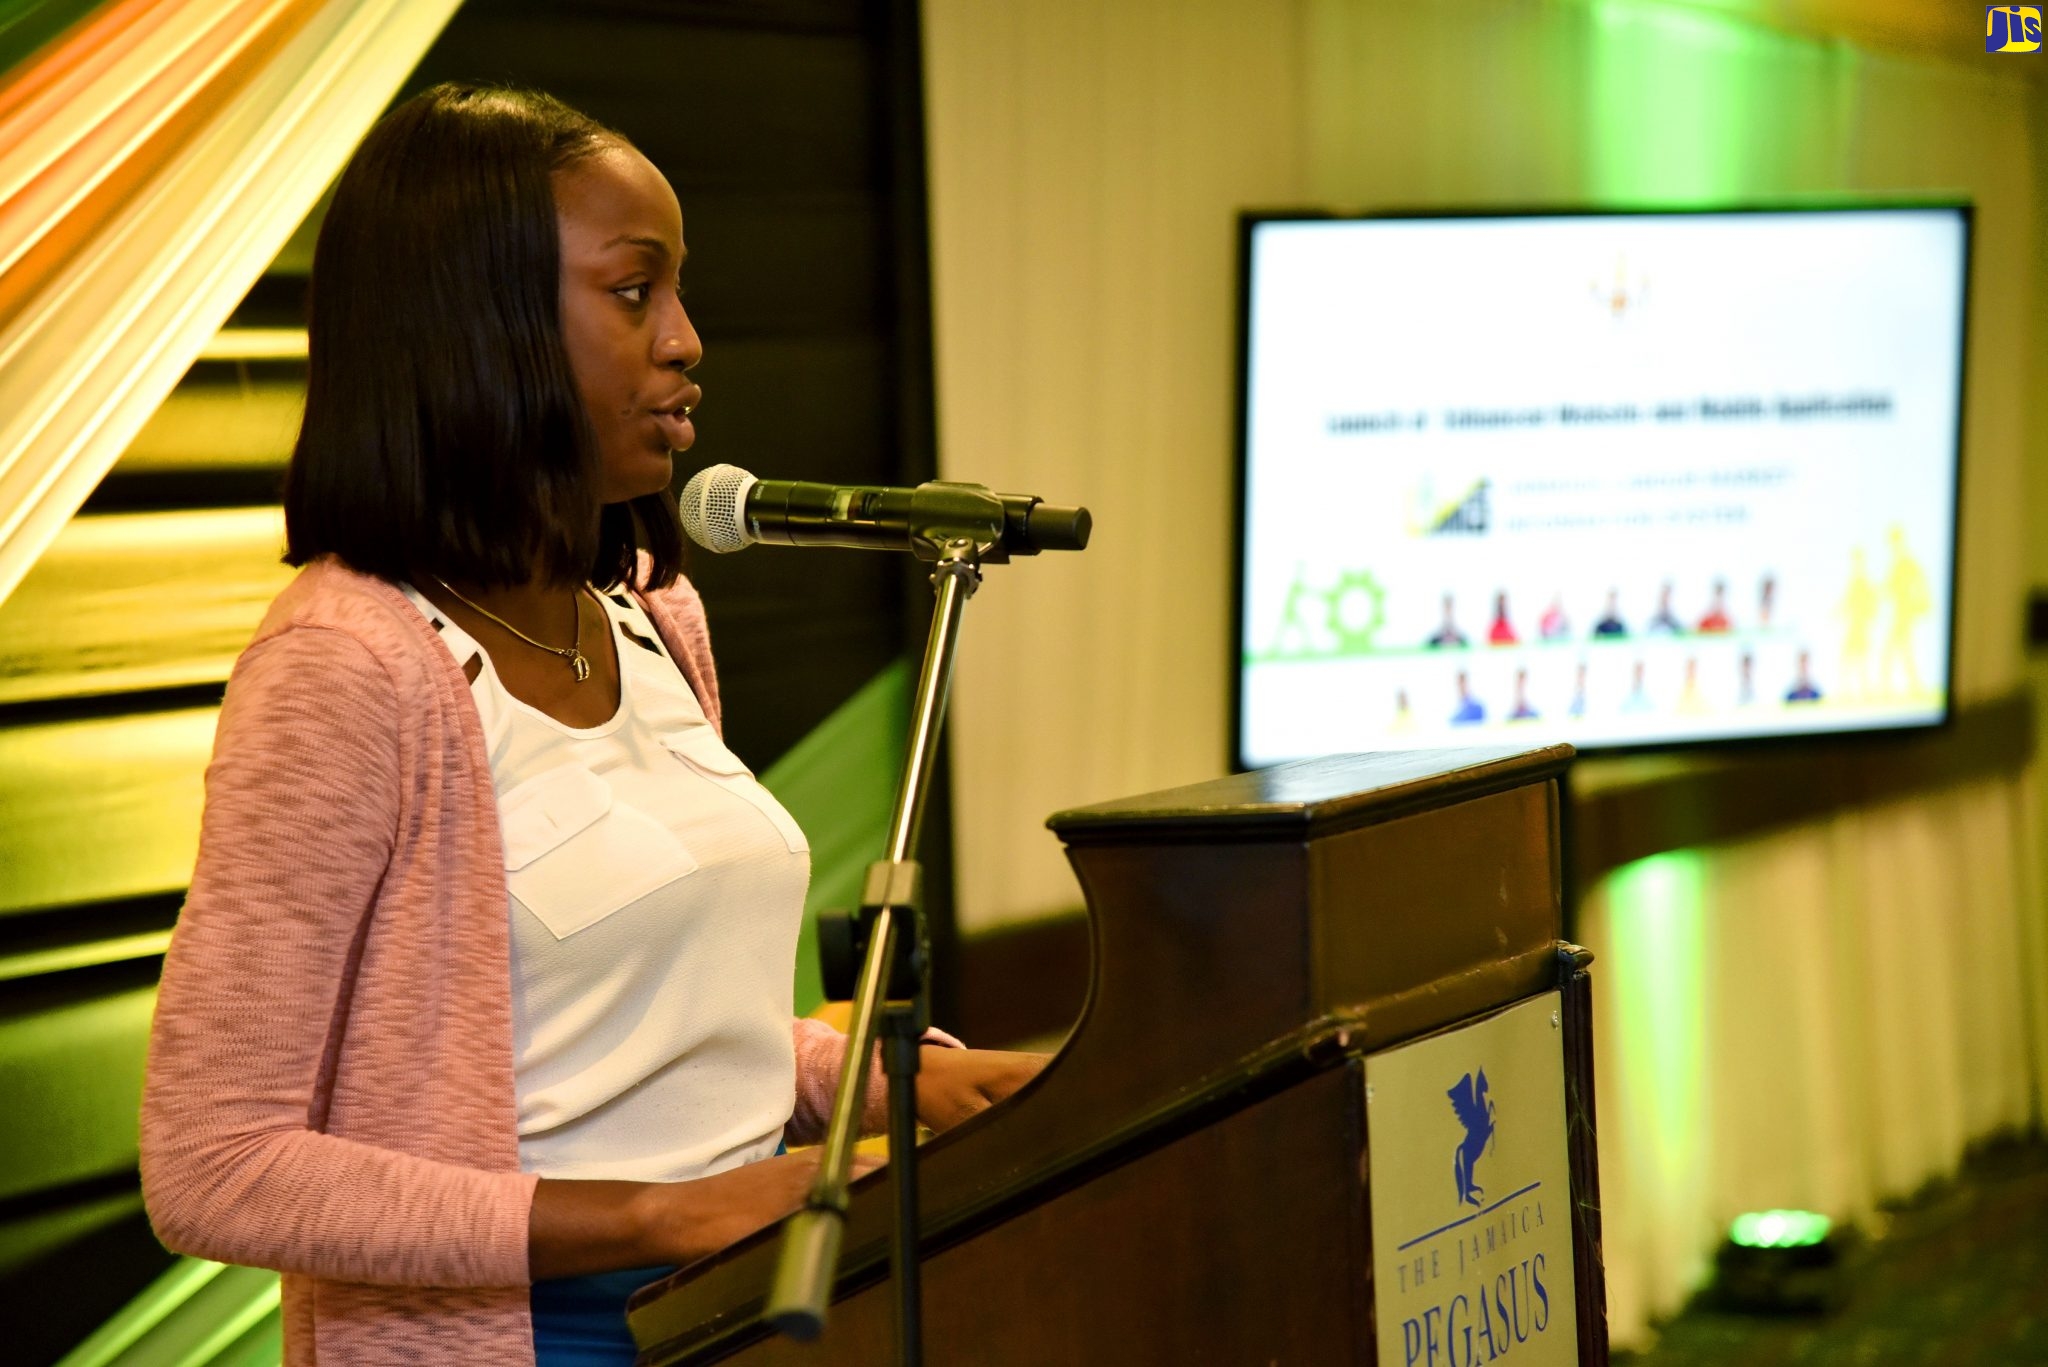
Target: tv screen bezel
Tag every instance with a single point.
(1248, 223)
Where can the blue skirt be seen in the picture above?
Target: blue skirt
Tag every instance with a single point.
(581, 1321)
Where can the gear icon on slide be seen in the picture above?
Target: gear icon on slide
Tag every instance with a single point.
(1357, 609)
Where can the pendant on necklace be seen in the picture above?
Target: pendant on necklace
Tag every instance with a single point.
(579, 665)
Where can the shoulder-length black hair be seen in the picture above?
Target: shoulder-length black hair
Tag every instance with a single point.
(443, 433)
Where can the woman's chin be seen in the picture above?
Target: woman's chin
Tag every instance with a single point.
(647, 473)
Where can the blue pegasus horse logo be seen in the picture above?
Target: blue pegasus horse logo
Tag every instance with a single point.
(1475, 1113)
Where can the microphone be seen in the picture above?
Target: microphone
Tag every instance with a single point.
(724, 508)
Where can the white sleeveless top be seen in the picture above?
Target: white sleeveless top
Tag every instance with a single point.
(656, 894)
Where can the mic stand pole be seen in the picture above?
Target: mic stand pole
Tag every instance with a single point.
(892, 1000)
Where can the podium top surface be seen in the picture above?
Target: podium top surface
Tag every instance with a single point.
(1316, 796)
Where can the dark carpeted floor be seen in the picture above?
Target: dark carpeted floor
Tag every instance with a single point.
(1956, 1278)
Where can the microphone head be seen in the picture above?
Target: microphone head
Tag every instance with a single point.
(714, 508)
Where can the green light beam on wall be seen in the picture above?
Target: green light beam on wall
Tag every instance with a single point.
(1676, 113)
(1657, 916)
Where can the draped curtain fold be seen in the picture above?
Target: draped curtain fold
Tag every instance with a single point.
(154, 158)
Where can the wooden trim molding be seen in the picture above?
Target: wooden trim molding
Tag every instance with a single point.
(1624, 810)
(1028, 983)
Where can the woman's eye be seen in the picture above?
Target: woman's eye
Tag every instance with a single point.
(633, 294)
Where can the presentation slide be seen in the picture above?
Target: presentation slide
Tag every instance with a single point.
(1619, 480)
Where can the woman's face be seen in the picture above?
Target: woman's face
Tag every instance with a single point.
(629, 342)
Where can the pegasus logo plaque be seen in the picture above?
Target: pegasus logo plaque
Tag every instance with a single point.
(1475, 1113)
(1481, 1267)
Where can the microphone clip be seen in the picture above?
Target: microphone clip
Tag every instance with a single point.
(843, 938)
(954, 524)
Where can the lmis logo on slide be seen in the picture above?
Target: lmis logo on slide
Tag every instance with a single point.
(2012, 28)
(1464, 515)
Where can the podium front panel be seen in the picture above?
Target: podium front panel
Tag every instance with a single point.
(1472, 1207)
(1243, 1241)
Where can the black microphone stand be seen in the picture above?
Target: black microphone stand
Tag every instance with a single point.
(888, 936)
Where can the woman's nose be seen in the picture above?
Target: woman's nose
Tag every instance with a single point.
(677, 344)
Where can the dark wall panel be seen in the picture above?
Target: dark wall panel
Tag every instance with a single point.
(785, 264)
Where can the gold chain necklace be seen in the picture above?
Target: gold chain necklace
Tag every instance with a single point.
(572, 652)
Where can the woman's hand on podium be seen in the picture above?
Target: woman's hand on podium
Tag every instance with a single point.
(953, 1084)
(583, 1227)
(692, 1219)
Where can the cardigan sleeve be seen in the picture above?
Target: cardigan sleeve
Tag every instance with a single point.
(301, 821)
(820, 1054)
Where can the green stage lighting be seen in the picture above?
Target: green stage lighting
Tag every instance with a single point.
(1781, 1260)
(1778, 1229)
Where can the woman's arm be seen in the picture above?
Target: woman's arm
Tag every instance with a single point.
(301, 821)
(584, 1227)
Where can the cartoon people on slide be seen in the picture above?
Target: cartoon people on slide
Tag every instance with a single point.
(1666, 622)
(1903, 595)
(1294, 635)
(1502, 632)
(1880, 617)
(1691, 700)
(1470, 710)
(1858, 610)
(1715, 620)
(1448, 634)
(1906, 593)
(1610, 624)
(1404, 716)
(1523, 711)
(1638, 699)
(1803, 687)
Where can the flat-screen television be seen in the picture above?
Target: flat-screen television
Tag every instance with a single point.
(1621, 479)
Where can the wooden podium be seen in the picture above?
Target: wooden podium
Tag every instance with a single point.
(1190, 1180)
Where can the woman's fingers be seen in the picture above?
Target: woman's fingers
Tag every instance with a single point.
(1009, 1071)
(957, 1083)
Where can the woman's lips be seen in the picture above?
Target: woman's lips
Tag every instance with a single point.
(676, 430)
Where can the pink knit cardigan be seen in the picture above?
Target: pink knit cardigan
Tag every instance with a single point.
(330, 1086)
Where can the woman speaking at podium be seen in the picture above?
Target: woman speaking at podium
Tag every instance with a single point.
(479, 1011)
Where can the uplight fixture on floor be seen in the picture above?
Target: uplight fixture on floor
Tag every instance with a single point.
(1781, 1261)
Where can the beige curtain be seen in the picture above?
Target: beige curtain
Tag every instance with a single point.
(1086, 162)
(153, 160)
(1823, 1018)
